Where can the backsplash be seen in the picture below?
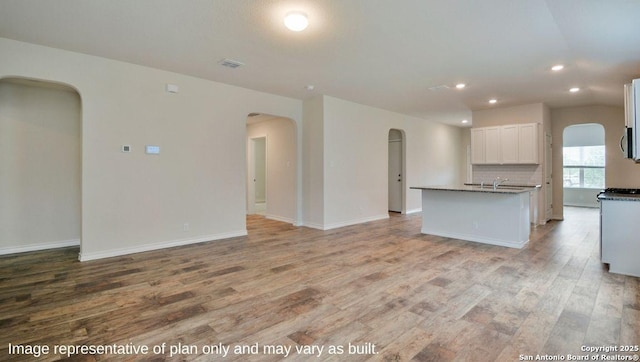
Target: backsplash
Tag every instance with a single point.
(517, 174)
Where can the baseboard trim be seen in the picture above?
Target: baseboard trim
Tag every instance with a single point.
(414, 211)
(313, 225)
(157, 246)
(280, 218)
(38, 247)
(355, 221)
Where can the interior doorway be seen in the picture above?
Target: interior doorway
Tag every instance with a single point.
(258, 175)
(396, 171)
(271, 173)
(583, 164)
(41, 163)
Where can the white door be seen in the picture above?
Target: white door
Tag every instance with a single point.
(548, 184)
(256, 185)
(395, 175)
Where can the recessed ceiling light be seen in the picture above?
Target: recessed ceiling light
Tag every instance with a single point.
(460, 85)
(574, 89)
(492, 101)
(465, 121)
(296, 21)
(310, 87)
(558, 67)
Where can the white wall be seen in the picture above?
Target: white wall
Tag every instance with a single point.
(356, 160)
(281, 166)
(313, 163)
(134, 202)
(580, 197)
(39, 166)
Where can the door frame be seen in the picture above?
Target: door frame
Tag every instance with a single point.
(402, 140)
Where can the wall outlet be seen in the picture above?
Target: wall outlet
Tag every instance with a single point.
(185, 226)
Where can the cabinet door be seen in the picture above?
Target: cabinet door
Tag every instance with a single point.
(528, 143)
(492, 145)
(477, 146)
(509, 137)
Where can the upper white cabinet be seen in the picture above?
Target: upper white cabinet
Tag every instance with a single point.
(509, 139)
(509, 144)
(477, 145)
(528, 145)
(492, 149)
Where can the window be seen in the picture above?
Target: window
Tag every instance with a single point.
(583, 167)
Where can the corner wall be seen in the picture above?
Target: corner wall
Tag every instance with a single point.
(356, 160)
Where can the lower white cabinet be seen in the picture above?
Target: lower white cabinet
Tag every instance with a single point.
(619, 230)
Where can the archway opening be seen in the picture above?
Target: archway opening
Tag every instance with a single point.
(583, 164)
(272, 167)
(41, 162)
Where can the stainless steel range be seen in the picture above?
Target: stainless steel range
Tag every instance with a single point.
(620, 230)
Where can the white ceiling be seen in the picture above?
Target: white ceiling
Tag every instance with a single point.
(382, 53)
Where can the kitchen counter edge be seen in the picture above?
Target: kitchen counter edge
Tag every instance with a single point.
(618, 197)
(503, 189)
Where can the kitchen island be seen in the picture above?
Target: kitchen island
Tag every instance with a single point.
(497, 216)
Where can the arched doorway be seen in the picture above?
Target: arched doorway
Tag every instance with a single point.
(396, 171)
(40, 158)
(583, 164)
(272, 167)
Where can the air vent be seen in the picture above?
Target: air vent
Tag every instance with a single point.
(230, 63)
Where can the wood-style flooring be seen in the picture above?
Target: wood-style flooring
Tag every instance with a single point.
(393, 293)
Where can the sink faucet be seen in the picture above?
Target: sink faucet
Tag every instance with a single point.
(498, 181)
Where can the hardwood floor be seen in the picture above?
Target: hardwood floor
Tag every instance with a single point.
(389, 291)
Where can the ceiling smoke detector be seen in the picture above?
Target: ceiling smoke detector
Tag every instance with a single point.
(230, 63)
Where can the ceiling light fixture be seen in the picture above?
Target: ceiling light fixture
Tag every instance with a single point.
(296, 21)
(493, 101)
(558, 67)
(460, 85)
(465, 121)
(574, 89)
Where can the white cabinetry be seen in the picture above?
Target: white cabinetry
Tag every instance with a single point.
(509, 139)
(619, 230)
(492, 149)
(528, 143)
(477, 145)
(509, 144)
